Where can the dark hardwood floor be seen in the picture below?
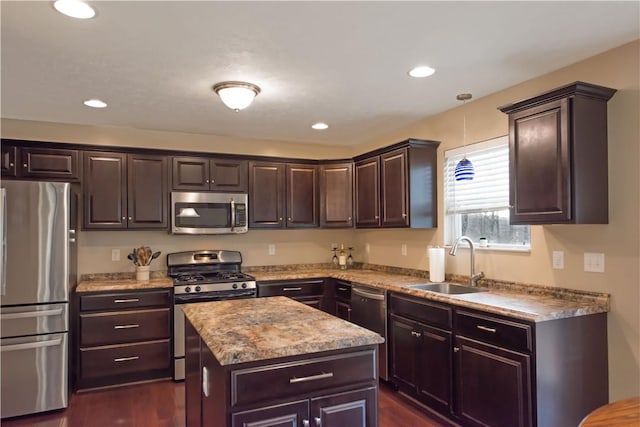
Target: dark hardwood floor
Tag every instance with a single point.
(161, 404)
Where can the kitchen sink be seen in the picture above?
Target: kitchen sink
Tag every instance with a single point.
(447, 288)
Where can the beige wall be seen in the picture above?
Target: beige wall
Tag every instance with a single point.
(619, 240)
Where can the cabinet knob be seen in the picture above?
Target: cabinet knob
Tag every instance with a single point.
(11, 164)
(280, 219)
(207, 181)
(290, 219)
(24, 165)
(130, 218)
(305, 423)
(317, 421)
(124, 218)
(404, 215)
(416, 334)
(349, 219)
(213, 181)
(377, 217)
(456, 349)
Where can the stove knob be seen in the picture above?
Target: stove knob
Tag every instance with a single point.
(198, 288)
(187, 289)
(234, 286)
(244, 286)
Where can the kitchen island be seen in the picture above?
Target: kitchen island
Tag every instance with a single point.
(275, 361)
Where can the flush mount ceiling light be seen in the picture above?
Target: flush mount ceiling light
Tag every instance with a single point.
(74, 8)
(320, 126)
(421, 71)
(95, 103)
(464, 169)
(236, 95)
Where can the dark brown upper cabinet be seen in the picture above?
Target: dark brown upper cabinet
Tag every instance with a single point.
(283, 195)
(40, 163)
(336, 195)
(125, 191)
(396, 186)
(558, 169)
(204, 174)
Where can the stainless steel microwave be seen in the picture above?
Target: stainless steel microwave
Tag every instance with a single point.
(208, 213)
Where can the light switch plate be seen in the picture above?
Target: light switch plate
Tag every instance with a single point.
(594, 262)
(272, 249)
(403, 249)
(367, 248)
(558, 260)
(115, 254)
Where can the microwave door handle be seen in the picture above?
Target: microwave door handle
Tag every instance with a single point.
(233, 214)
(3, 243)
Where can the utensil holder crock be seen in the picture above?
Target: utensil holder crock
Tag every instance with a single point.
(142, 273)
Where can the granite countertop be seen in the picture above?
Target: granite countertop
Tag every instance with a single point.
(247, 330)
(128, 284)
(531, 303)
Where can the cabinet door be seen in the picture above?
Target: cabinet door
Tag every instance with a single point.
(404, 349)
(147, 191)
(105, 190)
(293, 414)
(50, 163)
(343, 310)
(394, 184)
(266, 195)
(302, 196)
(368, 193)
(353, 408)
(229, 175)
(190, 173)
(9, 161)
(540, 170)
(336, 195)
(434, 371)
(493, 385)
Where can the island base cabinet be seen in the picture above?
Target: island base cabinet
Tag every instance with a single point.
(493, 385)
(353, 408)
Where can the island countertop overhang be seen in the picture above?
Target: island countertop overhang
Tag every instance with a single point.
(253, 329)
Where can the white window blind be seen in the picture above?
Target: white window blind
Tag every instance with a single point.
(489, 189)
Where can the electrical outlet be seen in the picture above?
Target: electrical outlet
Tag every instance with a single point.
(115, 254)
(272, 249)
(403, 249)
(558, 260)
(594, 262)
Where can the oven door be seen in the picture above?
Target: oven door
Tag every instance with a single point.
(178, 322)
(208, 213)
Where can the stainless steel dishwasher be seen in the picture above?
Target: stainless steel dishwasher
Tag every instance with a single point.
(369, 310)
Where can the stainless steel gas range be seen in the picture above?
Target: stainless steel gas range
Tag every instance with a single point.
(200, 276)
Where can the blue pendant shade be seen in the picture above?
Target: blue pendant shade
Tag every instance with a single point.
(464, 170)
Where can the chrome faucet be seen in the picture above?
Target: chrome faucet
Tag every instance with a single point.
(473, 277)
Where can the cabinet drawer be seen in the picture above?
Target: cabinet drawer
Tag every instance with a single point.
(494, 330)
(112, 361)
(124, 326)
(123, 301)
(299, 377)
(293, 288)
(343, 290)
(422, 311)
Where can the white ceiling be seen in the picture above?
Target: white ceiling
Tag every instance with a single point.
(344, 63)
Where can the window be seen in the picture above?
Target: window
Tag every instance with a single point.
(480, 208)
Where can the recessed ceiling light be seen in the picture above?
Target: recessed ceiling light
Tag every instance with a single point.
(421, 71)
(75, 9)
(320, 126)
(95, 103)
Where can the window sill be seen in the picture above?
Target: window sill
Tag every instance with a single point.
(490, 248)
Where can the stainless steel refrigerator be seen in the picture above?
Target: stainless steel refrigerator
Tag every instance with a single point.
(34, 296)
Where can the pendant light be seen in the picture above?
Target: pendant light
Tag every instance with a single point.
(464, 169)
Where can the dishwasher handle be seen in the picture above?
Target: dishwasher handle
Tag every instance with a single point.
(365, 294)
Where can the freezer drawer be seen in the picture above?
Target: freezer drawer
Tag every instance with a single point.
(34, 320)
(34, 374)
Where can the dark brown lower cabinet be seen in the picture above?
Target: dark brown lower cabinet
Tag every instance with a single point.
(493, 385)
(306, 291)
(330, 389)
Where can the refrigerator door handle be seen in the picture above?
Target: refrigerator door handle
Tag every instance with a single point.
(30, 345)
(3, 233)
(28, 314)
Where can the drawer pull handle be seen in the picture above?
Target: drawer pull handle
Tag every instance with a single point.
(321, 376)
(484, 328)
(343, 289)
(291, 289)
(120, 301)
(126, 359)
(416, 334)
(126, 326)
(205, 381)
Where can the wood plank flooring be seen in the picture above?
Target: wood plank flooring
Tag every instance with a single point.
(161, 404)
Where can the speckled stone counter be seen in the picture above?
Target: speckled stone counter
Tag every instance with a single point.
(527, 302)
(98, 285)
(248, 330)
